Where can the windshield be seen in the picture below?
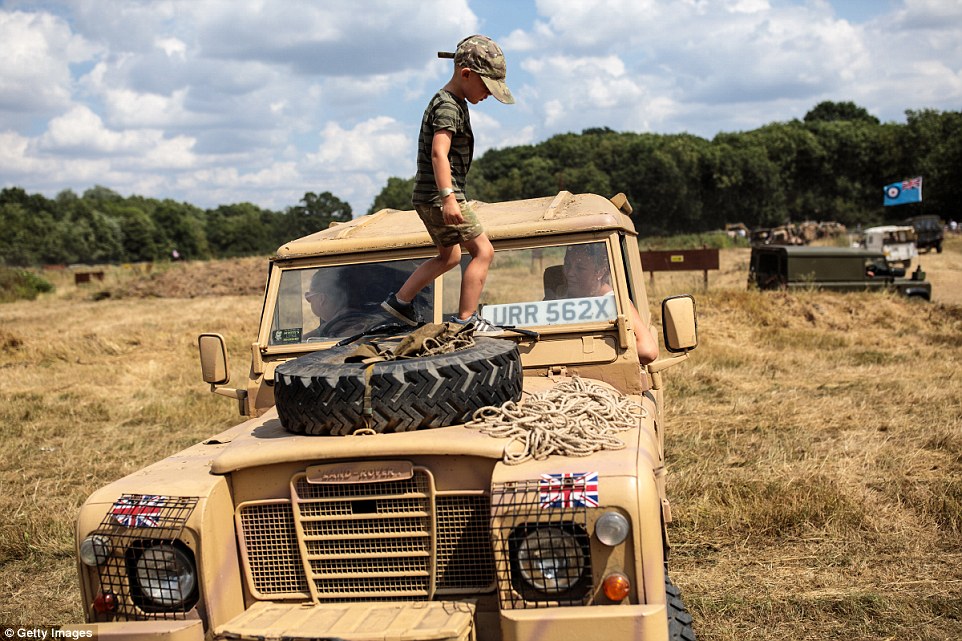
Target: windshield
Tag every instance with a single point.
(900, 236)
(560, 285)
(565, 284)
(329, 303)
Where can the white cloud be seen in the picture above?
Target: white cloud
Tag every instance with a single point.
(168, 153)
(81, 130)
(576, 89)
(217, 102)
(524, 136)
(332, 38)
(173, 47)
(126, 108)
(747, 6)
(378, 144)
(14, 159)
(38, 49)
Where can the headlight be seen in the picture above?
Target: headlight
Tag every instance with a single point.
(611, 528)
(164, 577)
(551, 560)
(95, 550)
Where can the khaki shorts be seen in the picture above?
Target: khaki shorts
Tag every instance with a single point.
(449, 235)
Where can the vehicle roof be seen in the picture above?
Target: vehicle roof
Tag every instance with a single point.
(813, 252)
(887, 228)
(393, 229)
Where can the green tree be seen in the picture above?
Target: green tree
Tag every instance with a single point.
(18, 241)
(396, 194)
(935, 143)
(829, 111)
(851, 183)
(88, 235)
(183, 227)
(241, 229)
(744, 184)
(800, 158)
(316, 212)
(138, 233)
(100, 195)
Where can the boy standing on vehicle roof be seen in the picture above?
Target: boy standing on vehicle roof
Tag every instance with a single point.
(445, 150)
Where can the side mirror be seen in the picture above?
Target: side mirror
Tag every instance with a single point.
(214, 366)
(679, 326)
(680, 331)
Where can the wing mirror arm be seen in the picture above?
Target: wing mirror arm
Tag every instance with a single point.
(655, 369)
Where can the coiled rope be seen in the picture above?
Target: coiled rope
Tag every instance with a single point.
(574, 418)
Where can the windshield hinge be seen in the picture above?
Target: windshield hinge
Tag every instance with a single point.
(557, 371)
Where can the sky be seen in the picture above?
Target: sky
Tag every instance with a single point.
(216, 102)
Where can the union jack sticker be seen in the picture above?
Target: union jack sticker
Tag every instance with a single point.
(568, 490)
(138, 511)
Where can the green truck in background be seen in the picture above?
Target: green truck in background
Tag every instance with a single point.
(837, 268)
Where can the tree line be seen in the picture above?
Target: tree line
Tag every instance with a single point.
(101, 226)
(831, 165)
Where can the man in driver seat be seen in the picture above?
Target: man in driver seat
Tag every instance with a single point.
(342, 308)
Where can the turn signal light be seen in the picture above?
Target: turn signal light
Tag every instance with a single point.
(105, 602)
(616, 586)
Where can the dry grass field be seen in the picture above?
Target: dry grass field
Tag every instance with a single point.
(814, 443)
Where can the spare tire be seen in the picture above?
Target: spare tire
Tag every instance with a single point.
(321, 394)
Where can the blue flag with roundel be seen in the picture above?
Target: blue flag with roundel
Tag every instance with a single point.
(902, 193)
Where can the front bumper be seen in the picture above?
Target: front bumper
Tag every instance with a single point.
(191, 630)
(414, 621)
(432, 620)
(637, 622)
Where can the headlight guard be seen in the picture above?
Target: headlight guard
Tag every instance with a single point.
(550, 561)
(162, 575)
(541, 542)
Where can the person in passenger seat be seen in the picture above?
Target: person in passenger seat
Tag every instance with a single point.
(586, 273)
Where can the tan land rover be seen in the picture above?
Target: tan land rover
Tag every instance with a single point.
(426, 484)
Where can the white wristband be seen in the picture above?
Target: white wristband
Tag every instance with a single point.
(444, 193)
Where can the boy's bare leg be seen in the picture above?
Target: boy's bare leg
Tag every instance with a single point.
(430, 269)
(472, 281)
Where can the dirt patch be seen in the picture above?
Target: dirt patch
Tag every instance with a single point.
(237, 277)
(9, 342)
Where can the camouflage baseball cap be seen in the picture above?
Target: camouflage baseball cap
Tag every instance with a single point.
(483, 56)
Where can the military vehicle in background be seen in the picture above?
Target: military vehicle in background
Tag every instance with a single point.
(834, 268)
(897, 242)
(781, 235)
(796, 233)
(929, 232)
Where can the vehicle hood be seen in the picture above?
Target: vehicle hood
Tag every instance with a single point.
(264, 441)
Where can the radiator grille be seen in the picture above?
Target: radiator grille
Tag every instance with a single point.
(392, 540)
(465, 560)
(386, 529)
(273, 559)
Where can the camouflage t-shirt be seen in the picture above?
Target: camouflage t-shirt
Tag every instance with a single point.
(445, 111)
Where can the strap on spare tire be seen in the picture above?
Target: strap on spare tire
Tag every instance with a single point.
(416, 382)
(426, 340)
